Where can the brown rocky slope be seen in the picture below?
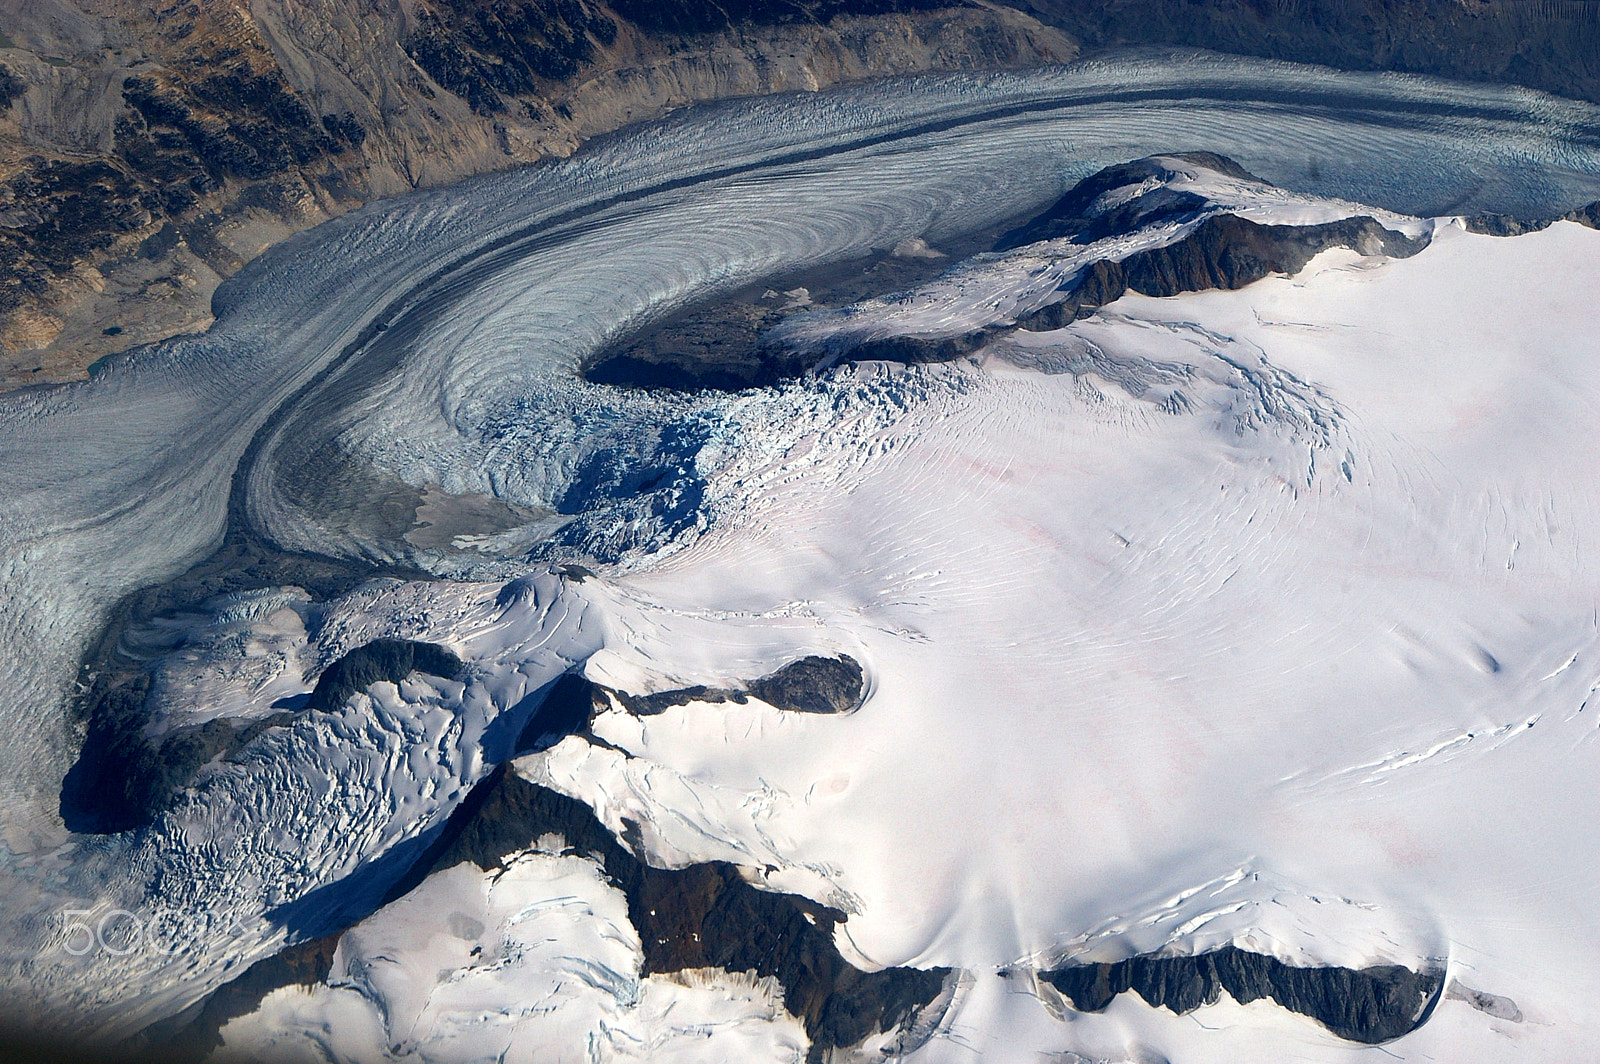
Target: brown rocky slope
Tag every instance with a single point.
(149, 149)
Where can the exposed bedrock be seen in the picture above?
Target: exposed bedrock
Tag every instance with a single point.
(703, 916)
(568, 708)
(1225, 251)
(707, 916)
(192, 1037)
(123, 779)
(1222, 251)
(1367, 1005)
(382, 660)
(1082, 216)
(1550, 44)
(812, 684)
(1511, 225)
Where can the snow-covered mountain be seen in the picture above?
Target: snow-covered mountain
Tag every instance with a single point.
(1227, 621)
(1251, 621)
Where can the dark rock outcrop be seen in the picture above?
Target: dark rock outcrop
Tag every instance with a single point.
(61, 211)
(1551, 44)
(913, 350)
(11, 87)
(568, 708)
(199, 1034)
(1367, 1005)
(123, 780)
(1588, 215)
(484, 52)
(1505, 224)
(490, 52)
(118, 780)
(382, 660)
(812, 684)
(268, 128)
(697, 16)
(1511, 225)
(1074, 215)
(703, 916)
(707, 916)
(1224, 251)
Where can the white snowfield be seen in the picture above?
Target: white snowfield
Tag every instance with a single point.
(1144, 676)
(1258, 617)
(1146, 680)
(533, 963)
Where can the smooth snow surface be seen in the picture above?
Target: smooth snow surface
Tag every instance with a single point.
(1259, 617)
(1297, 663)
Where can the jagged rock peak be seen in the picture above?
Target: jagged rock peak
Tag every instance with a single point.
(1159, 226)
(1127, 196)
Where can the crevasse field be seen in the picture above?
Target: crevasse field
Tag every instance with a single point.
(1264, 617)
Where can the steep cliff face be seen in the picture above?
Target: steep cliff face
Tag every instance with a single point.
(1369, 1005)
(148, 151)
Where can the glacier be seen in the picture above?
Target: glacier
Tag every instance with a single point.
(1300, 661)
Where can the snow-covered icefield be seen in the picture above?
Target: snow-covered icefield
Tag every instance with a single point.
(1257, 617)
